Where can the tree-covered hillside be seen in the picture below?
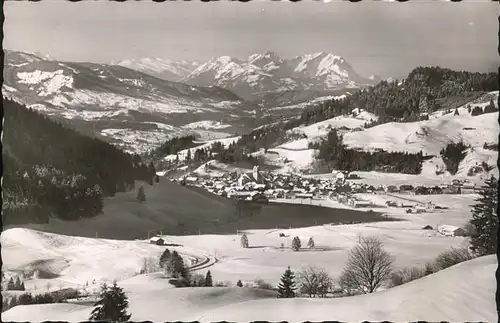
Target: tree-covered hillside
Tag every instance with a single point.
(426, 89)
(50, 170)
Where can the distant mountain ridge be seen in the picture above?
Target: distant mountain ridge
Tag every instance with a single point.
(118, 101)
(163, 68)
(267, 72)
(261, 73)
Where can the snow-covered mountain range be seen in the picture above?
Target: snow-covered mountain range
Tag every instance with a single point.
(259, 74)
(163, 68)
(116, 102)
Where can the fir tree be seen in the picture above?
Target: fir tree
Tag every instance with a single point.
(244, 240)
(310, 243)
(11, 285)
(208, 279)
(286, 287)
(22, 286)
(175, 266)
(111, 306)
(239, 283)
(141, 196)
(13, 301)
(164, 258)
(17, 284)
(485, 219)
(157, 178)
(456, 112)
(296, 244)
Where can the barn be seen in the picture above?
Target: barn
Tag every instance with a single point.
(157, 241)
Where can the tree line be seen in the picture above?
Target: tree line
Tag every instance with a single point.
(51, 170)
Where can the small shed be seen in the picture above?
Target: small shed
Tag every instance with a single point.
(157, 241)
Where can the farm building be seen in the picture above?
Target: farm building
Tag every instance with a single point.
(157, 241)
(451, 231)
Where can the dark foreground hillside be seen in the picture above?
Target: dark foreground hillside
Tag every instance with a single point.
(53, 171)
(181, 210)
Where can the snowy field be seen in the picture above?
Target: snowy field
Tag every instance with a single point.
(78, 260)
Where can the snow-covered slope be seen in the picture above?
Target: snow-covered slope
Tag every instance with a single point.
(267, 72)
(427, 136)
(444, 296)
(163, 68)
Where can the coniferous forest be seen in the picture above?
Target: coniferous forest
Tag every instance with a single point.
(426, 89)
(50, 170)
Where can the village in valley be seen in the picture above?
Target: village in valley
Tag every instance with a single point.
(345, 189)
(282, 162)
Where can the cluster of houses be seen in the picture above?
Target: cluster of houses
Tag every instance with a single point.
(260, 187)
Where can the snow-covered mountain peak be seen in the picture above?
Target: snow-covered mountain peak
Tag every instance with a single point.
(160, 67)
(267, 72)
(268, 58)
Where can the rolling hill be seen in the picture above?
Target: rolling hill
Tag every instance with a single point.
(443, 296)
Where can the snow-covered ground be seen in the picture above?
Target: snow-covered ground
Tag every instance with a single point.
(437, 297)
(445, 295)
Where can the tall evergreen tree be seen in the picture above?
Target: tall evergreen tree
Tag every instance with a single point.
(11, 285)
(296, 244)
(208, 279)
(485, 219)
(175, 266)
(141, 195)
(244, 240)
(286, 287)
(17, 284)
(111, 306)
(13, 301)
(164, 258)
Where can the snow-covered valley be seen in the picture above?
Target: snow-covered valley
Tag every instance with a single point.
(77, 262)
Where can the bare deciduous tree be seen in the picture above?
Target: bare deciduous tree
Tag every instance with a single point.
(244, 240)
(314, 282)
(150, 265)
(368, 267)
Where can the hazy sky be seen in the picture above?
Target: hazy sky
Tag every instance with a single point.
(388, 39)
